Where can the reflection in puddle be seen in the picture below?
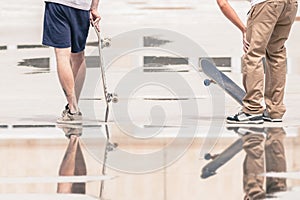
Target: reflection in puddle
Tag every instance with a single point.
(152, 60)
(41, 63)
(3, 47)
(31, 46)
(154, 42)
(74, 164)
(137, 2)
(265, 152)
(164, 99)
(167, 8)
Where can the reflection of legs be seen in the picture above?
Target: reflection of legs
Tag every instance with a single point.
(73, 164)
(253, 165)
(275, 159)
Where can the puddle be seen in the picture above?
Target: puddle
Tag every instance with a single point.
(137, 3)
(34, 126)
(165, 99)
(3, 47)
(167, 8)
(41, 63)
(154, 42)
(150, 61)
(31, 46)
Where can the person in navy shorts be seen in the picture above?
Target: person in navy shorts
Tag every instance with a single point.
(66, 26)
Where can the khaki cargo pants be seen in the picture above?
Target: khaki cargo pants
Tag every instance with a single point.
(268, 27)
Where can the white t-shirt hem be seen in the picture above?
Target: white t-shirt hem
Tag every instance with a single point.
(79, 4)
(254, 2)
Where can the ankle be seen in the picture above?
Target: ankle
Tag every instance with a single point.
(73, 109)
(73, 112)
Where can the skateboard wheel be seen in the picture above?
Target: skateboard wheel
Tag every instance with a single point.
(207, 156)
(115, 145)
(112, 146)
(115, 100)
(207, 82)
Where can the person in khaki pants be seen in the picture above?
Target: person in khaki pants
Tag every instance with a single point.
(268, 27)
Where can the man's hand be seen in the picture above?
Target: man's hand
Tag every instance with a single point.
(95, 18)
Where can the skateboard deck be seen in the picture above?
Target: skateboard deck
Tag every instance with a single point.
(219, 78)
(108, 97)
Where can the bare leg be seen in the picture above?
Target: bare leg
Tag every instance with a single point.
(65, 75)
(79, 71)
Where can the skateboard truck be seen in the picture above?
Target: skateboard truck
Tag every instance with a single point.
(207, 82)
(208, 156)
(112, 97)
(112, 146)
(105, 42)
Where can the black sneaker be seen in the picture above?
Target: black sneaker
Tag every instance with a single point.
(266, 117)
(66, 110)
(70, 118)
(244, 118)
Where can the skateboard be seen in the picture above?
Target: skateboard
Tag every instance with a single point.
(220, 159)
(219, 78)
(108, 97)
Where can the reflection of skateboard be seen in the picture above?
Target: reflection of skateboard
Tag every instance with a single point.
(218, 77)
(220, 159)
(108, 97)
(109, 146)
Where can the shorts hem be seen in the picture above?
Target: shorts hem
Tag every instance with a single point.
(62, 47)
(55, 45)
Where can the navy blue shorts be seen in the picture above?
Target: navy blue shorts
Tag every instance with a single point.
(65, 27)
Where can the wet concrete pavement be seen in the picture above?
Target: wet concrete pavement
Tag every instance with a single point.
(167, 135)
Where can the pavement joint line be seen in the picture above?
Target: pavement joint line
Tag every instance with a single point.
(33, 126)
(54, 179)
